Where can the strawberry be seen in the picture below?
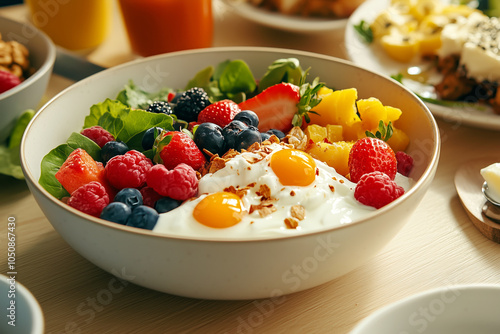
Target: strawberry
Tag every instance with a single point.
(8, 81)
(283, 105)
(220, 113)
(80, 169)
(371, 154)
(177, 147)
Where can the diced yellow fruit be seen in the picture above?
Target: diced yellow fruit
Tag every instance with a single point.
(381, 25)
(424, 8)
(400, 47)
(334, 133)
(316, 133)
(371, 111)
(429, 44)
(338, 107)
(335, 155)
(453, 11)
(393, 113)
(399, 140)
(353, 132)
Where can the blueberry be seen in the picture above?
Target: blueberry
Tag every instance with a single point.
(248, 117)
(116, 212)
(209, 136)
(143, 217)
(264, 136)
(160, 107)
(247, 137)
(230, 132)
(277, 133)
(113, 148)
(130, 196)
(148, 139)
(166, 204)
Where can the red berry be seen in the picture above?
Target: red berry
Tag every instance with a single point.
(220, 113)
(128, 170)
(90, 198)
(377, 189)
(369, 155)
(179, 183)
(79, 169)
(405, 163)
(181, 149)
(98, 134)
(149, 196)
(275, 106)
(8, 81)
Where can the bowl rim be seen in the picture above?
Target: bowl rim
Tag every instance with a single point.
(48, 62)
(361, 326)
(430, 169)
(38, 323)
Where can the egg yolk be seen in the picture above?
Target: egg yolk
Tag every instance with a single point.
(293, 167)
(219, 210)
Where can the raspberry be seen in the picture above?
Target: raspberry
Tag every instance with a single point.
(91, 198)
(369, 155)
(149, 196)
(405, 163)
(8, 81)
(128, 170)
(179, 183)
(98, 134)
(377, 189)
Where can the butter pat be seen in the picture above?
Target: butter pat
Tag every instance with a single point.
(491, 175)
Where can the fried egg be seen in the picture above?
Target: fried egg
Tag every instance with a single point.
(264, 195)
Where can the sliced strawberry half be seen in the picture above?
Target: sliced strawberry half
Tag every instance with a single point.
(276, 106)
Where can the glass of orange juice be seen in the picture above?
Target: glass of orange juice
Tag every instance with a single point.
(72, 24)
(160, 26)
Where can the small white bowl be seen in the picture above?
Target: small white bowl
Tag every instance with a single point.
(454, 309)
(250, 267)
(19, 307)
(27, 94)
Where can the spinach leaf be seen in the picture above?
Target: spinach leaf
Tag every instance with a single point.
(364, 31)
(282, 70)
(55, 158)
(134, 97)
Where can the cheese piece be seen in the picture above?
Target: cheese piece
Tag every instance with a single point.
(491, 175)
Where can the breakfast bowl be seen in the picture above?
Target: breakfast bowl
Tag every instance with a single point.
(216, 267)
(21, 312)
(458, 309)
(27, 94)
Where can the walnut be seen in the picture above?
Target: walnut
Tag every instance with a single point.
(14, 58)
(296, 138)
(298, 212)
(291, 223)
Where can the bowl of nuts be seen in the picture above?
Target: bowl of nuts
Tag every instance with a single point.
(27, 57)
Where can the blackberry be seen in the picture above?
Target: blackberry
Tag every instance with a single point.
(160, 107)
(190, 103)
(247, 137)
(230, 132)
(209, 136)
(248, 117)
(112, 149)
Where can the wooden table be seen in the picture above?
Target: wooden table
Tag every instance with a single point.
(438, 247)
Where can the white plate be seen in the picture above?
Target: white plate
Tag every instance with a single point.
(284, 22)
(373, 57)
(457, 309)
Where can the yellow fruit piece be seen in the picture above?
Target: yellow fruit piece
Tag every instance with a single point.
(423, 8)
(393, 113)
(429, 44)
(334, 133)
(400, 47)
(453, 11)
(353, 132)
(336, 107)
(371, 111)
(316, 133)
(335, 155)
(399, 140)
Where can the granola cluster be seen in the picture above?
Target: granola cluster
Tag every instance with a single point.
(266, 206)
(14, 58)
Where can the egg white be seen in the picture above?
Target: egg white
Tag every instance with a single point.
(328, 201)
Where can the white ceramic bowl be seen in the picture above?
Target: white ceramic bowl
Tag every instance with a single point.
(221, 269)
(26, 95)
(20, 308)
(455, 309)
